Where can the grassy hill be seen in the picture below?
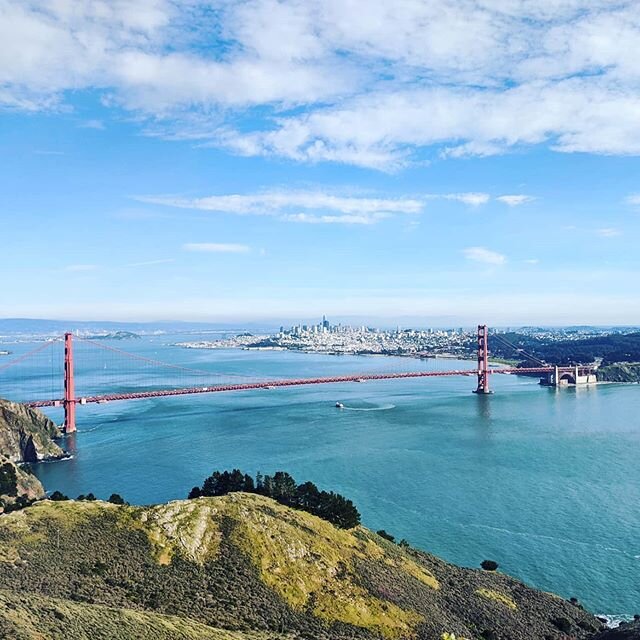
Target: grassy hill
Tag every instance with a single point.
(243, 562)
(27, 616)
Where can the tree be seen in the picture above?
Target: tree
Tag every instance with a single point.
(57, 496)
(284, 488)
(116, 498)
(489, 565)
(338, 510)
(219, 484)
(308, 497)
(387, 536)
(211, 485)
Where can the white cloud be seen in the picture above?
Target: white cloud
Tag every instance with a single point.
(321, 207)
(216, 247)
(273, 202)
(472, 199)
(633, 199)
(318, 207)
(608, 232)
(481, 254)
(515, 200)
(373, 83)
(345, 219)
(532, 261)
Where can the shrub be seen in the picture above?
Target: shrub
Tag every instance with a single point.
(489, 565)
(387, 536)
(8, 480)
(116, 498)
(58, 496)
(20, 502)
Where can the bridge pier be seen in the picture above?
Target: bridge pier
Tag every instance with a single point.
(483, 360)
(69, 401)
(574, 376)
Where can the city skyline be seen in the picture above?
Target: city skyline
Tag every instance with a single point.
(180, 162)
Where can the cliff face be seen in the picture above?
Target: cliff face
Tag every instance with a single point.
(26, 435)
(246, 563)
(620, 372)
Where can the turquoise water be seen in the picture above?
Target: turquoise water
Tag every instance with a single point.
(546, 482)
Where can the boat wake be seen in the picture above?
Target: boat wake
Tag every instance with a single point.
(383, 407)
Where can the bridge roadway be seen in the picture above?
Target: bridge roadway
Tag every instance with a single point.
(297, 382)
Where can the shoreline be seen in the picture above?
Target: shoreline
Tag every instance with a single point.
(362, 354)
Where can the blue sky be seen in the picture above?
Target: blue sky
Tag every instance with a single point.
(453, 161)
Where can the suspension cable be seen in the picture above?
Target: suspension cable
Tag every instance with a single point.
(148, 360)
(528, 355)
(24, 356)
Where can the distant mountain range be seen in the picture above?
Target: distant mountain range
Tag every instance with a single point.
(32, 326)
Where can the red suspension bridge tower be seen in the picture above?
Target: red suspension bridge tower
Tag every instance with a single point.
(70, 400)
(483, 360)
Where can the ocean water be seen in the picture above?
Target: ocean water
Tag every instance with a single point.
(546, 482)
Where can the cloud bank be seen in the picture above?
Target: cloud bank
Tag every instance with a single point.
(364, 82)
(319, 207)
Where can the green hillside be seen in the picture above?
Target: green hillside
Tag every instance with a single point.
(244, 562)
(27, 616)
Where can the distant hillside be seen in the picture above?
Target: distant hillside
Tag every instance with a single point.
(620, 372)
(32, 326)
(244, 562)
(610, 348)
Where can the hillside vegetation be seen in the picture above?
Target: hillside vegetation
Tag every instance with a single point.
(244, 562)
(26, 616)
(609, 348)
(621, 372)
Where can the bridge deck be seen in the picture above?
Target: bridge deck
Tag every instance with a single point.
(296, 382)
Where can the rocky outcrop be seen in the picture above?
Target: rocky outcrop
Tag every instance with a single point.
(626, 631)
(17, 484)
(26, 435)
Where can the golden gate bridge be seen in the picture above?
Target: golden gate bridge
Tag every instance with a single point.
(201, 381)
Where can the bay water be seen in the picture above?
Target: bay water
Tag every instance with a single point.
(544, 481)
